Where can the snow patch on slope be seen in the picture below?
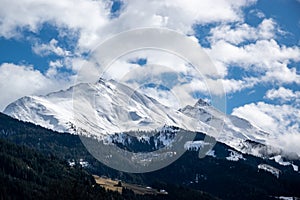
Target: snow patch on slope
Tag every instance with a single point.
(194, 145)
(234, 156)
(268, 168)
(280, 161)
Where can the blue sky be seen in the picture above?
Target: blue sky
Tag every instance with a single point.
(254, 44)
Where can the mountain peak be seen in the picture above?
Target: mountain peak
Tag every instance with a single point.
(201, 103)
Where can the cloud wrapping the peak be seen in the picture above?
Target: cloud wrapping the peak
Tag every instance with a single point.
(281, 121)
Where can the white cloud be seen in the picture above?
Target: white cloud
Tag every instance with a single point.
(257, 13)
(220, 86)
(17, 81)
(281, 121)
(92, 18)
(53, 66)
(171, 71)
(243, 32)
(51, 48)
(177, 15)
(232, 85)
(262, 54)
(165, 97)
(182, 15)
(264, 59)
(256, 52)
(281, 74)
(289, 141)
(56, 63)
(84, 16)
(283, 94)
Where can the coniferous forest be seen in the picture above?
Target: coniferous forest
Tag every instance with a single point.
(35, 164)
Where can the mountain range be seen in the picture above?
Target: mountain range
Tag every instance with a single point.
(107, 108)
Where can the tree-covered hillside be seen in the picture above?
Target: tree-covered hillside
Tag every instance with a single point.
(27, 173)
(185, 178)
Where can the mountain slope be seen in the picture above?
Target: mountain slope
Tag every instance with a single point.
(219, 173)
(235, 132)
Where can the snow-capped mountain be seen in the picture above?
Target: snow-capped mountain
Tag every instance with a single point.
(235, 132)
(100, 109)
(108, 107)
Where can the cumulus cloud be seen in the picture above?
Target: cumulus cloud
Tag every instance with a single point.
(218, 87)
(181, 15)
(82, 15)
(97, 24)
(256, 52)
(241, 32)
(17, 81)
(264, 59)
(177, 15)
(53, 68)
(283, 94)
(281, 121)
(262, 54)
(258, 13)
(51, 48)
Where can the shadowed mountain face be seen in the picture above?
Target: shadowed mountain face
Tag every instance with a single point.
(224, 172)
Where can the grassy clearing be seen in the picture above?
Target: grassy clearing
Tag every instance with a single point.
(110, 184)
